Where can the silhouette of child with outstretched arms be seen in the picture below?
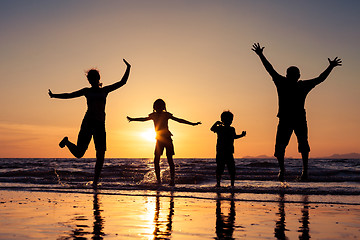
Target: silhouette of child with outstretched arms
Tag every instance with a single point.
(93, 124)
(225, 146)
(163, 136)
(292, 116)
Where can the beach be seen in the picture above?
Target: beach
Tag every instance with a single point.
(148, 214)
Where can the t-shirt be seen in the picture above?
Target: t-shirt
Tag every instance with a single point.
(292, 95)
(225, 138)
(96, 101)
(161, 124)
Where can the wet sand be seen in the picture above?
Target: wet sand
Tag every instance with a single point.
(173, 215)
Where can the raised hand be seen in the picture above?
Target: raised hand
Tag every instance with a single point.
(257, 49)
(336, 62)
(50, 93)
(127, 64)
(129, 118)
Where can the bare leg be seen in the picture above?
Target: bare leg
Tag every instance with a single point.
(157, 168)
(305, 158)
(100, 156)
(281, 174)
(77, 150)
(172, 169)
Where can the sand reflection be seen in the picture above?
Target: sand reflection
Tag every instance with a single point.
(98, 225)
(225, 223)
(280, 226)
(162, 222)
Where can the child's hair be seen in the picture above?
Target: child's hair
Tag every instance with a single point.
(93, 77)
(159, 106)
(227, 116)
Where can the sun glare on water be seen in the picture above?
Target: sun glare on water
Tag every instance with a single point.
(149, 135)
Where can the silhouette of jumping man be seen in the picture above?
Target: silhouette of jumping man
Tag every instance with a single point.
(292, 116)
(163, 136)
(225, 146)
(93, 124)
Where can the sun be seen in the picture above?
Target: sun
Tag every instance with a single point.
(149, 135)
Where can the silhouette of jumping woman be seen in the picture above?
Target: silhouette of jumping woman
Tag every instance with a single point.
(292, 116)
(163, 136)
(93, 124)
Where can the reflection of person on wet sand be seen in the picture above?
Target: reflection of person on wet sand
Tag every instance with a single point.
(163, 136)
(292, 117)
(98, 220)
(304, 228)
(280, 226)
(93, 124)
(159, 233)
(225, 225)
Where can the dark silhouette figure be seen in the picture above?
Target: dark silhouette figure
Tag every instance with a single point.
(225, 225)
(225, 146)
(93, 124)
(292, 116)
(163, 136)
(280, 227)
(163, 228)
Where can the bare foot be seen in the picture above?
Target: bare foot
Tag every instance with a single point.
(281, 175)
(63, 142)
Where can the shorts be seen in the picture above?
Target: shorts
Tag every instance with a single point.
(92, 128)
(223, 159)
(284, 132)
(164, 143)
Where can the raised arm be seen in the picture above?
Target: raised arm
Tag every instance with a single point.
(259, 51)
(75, 94)
(243, 134)
(179, 120)
(332, 63)
(123, 80)
(141, 119)
(216, 124)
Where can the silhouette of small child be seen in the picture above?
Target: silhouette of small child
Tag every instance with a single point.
(163, 136)
(225, 146)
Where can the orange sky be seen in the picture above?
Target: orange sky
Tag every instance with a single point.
(194, 54)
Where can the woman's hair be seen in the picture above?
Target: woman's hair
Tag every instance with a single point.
(159, 106)
(93, 77)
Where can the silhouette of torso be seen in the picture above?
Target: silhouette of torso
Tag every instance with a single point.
(96, 101)
(292, 96)
(225, 139)
(161, 124)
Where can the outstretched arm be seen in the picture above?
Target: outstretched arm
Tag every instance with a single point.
(75, 94)
(243, 134)
(179, 120)
(259, 51)
(123, 80)
(332, 63)
(141, 119)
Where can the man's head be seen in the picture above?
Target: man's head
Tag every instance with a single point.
(293, 73)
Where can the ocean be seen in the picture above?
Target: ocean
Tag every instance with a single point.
(338, 177)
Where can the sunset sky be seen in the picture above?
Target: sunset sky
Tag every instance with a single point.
(196, 55)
